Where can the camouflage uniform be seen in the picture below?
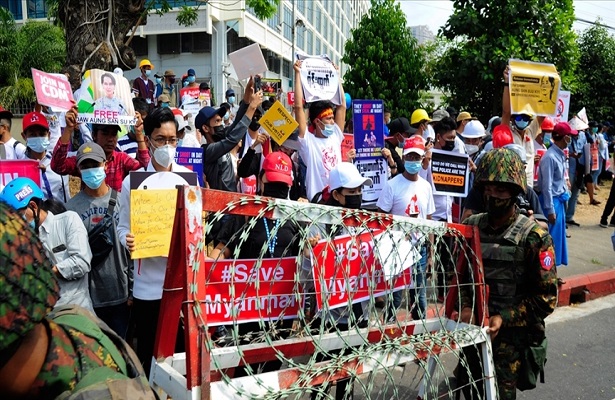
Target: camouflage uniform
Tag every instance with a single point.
(518, 261)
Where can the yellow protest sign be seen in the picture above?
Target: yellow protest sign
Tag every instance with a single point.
(278, 122)
(534, 87)
(152, 212)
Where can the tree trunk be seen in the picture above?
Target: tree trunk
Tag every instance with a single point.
(96, 33)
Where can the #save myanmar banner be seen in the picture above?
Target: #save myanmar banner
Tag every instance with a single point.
(244, 291)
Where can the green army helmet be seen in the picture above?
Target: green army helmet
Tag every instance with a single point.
(501, 166)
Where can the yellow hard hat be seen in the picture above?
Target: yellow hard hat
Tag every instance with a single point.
(145, 62)
(418, 116)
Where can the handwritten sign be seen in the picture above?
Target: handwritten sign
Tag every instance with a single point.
(52, 90)
(151, 221)
(534, 87)
(105, 98)
(347, 145)
(264, 290)
(191, 158)
(368, 123)
(376, 170)
(450, 173)
(278, 123)
(11, 169)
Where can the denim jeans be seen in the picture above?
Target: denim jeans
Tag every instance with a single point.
(572, 202)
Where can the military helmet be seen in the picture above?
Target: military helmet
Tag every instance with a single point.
(501, 166)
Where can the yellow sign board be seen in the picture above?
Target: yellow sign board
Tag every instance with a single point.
(152, 212)
(534, 87)
(278, 123)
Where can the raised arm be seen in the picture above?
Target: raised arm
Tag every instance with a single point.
(340, 110)
(298, 106)
(506, 99)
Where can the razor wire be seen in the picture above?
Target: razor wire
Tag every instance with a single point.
(337, 308)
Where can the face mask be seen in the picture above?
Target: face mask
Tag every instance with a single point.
(328, 130)
(179, 142)
(171, 81)
(449, 145)
(278, 190)
(413, 167)
(158, 80)
(567, 139)
(595, 130)
(191, 79)
(93, 177)
(227, 116)
(546, 139)
(254, 126)
(148, 72)
(38, 144)
(231, 99)
(164, 105)
(353, 201)
(400, 145)
(31, 224)
(471, 149)
(164, 155)
(186, 83)
(499, 207)
(218, 133)
(521, 125)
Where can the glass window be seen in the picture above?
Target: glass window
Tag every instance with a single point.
(288, 24)
(14, 8)
(168, 44)
(310, 42)
(317, 49)
(286, 68)
(37, 9)
(139, 46)
(177, 3)
(317, 25)
(300, 37)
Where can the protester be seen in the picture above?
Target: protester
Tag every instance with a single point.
(45, 354)
(518, 259)
(36, 134)
(321, 139)
(185, 137)
(118, 164)
(163, 101)
(251, 155)
(576, 172)
(231, 99)
(419, 123)
(168, 87)
(463, 119)
(62, 234)
(143, 86)
(158, 81)
(553, 190)
(97, 204)
(399, 131)
(10, 149)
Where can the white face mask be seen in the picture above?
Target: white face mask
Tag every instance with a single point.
(164, 155)
(471, 148)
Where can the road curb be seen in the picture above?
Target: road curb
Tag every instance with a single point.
(585, 287)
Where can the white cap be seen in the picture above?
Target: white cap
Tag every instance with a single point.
(473, 130)
(182, 124)
(346, 175)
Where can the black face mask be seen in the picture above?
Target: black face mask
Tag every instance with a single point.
(449, 145)
(254, 126)
(171, 81)
(278, 190)
(219, 133)
(499, 207)
(353, 201)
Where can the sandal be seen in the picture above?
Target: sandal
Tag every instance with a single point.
(595, 202)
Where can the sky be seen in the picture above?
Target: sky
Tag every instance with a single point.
(435, 13)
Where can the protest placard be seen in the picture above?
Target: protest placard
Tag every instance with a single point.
(319, 79)
(263, 290)
(278, 122)
(347, 145)
(450, 173)
(539, 153)
(191, 158)
(376, 170)
(11, 169)
(52, 90)
(290, 97)
(105, 98)
(563, 107)
(270, 86)
(346, 269)
(368, 127)
(248, 61)
(534, 87)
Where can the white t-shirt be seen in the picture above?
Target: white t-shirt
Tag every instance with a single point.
(401, 196)
(320, 155)
(15, 150)
(528, 144)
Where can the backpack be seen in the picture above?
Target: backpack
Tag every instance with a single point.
(103, 382)
(102, 237)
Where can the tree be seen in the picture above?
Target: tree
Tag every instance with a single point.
(99, 32)
(486, 33)
(385, 60)
(595, 74)
(34, 45)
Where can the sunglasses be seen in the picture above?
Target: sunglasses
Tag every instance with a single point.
(523, 117)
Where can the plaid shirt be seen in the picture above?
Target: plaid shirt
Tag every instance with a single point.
(118, 165)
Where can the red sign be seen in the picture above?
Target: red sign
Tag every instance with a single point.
(11, 169)
(347, 145)
(290, 96)
(193, 92)
(52, 90)
(595, 157)
(539, 153)
(243, 291)
(349, 269)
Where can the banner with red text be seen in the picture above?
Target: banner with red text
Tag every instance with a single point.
(52, 90)
(349, 269)
(241, 291)
(11, 169)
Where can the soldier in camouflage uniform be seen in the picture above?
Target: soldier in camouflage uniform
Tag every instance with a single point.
(519, 267)
(69, 354)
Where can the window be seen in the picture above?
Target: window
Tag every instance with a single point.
(169, 44)
(325, 29)
(286, 68)
(318, 13)
(299, 38)
(14, 8)
(317, 49)
(234, 42)
(176, 3)
(175, 43)
(274, 21)
(310, 42)
(140, 46)
(37, 9)
(272, 60)
(288, 24)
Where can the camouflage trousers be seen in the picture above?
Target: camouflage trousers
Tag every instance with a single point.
(508, 347)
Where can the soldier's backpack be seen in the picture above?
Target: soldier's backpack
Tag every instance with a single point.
(103, 382)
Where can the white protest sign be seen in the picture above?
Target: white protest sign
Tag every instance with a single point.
(319, 79)
(105, 98)
(248, 61)
(563, 107)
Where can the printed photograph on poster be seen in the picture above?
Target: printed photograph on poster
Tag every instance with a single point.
(376, 170)
(270, 86)
(534, 87)
(368, 127)
(105, 98)
(450, 173)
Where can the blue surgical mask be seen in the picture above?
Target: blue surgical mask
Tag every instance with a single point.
(191, 78)
(93, 177)
(231, 99)
(180, 142)
(32, 223)
(413, 167)
(595, 130)
(148, 72)
(400, 145)
(164, 105)
(328, 130)
(227, 116)
(546, 139)
(522, 124)
(158, 81)
(38, 144)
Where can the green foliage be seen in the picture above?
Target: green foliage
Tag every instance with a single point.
(36, 44)
(596, 74)
(385, 61)
(485, 34)
(188, 14)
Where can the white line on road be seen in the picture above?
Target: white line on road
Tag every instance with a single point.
(576, 311)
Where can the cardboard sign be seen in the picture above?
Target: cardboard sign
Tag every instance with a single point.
(278, 123)
(450, 173)
(563, 107)
(368, 125)
(539, 153)
(189, 92)
(534, 87)
(270, 86)
(347, 145)
(319, 79)
(377, 170)
(205, 98)
(11, 169)
(52, 90)
(250, 290)
(105, 98)
(346, 269)
(248, 61)
(191, 158)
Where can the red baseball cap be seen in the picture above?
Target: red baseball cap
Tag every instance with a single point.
(563, 129)
(415, 144)
(278, 168)
(34, 119)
